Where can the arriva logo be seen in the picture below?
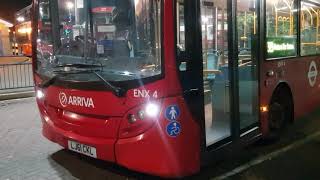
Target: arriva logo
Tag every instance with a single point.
(75, 101)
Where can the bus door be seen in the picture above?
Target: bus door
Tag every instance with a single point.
(247, 62)
(222, 56)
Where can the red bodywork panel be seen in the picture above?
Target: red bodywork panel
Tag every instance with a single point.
(144, 146)
(295, 73)
(176, 156)
(150, 149)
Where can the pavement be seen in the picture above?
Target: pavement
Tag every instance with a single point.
(8, 94)
(16, 78)
(14, 59)
(26, 154)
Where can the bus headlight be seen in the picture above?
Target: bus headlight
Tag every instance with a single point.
(139, 119)
(152, 110)
(40, 94)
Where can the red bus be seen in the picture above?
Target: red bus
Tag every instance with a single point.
(165, 86)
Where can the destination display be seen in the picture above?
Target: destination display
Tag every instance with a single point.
(281, 47)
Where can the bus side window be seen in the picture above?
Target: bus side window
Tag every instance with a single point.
(310, 25)
(281, 32)
(181, 43)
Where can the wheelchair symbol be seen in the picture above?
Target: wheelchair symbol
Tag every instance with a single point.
(174, 129)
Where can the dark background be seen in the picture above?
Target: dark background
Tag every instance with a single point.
(9, 7)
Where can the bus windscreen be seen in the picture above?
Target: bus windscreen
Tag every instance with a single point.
(123, 36)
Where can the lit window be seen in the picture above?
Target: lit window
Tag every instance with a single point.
(281, 33)
(310, 23)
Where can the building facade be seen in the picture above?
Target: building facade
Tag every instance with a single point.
(5, 45)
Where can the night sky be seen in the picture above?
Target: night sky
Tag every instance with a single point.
(9, 7)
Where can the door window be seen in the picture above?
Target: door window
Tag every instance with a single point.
(214, 27)
(181, 39)
(247, 61)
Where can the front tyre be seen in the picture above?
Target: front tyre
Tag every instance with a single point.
(277, 118)
(280, 114)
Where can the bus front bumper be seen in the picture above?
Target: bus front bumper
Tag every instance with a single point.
(148, 153)
(104, 147)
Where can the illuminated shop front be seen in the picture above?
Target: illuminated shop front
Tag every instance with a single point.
(5, 48)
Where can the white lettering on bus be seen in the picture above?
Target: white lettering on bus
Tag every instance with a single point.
(137, 93)
(81, 101)
(76, 101)
(279, 47)
(281, 64)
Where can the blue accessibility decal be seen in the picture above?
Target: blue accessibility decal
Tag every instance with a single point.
(172, 113)
(173, 129)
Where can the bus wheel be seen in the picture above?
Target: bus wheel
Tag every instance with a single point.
(280, 114)
(276, 117)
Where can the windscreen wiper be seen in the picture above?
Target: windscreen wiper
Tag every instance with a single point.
(53, 79)
(79, 65)
(119, 92)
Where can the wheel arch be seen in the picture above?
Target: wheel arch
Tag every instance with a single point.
(283, 88)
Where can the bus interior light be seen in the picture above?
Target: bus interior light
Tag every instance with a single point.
(25, 30)
(69, 5)
(20, 19)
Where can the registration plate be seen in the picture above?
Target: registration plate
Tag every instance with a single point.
(82, 148)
